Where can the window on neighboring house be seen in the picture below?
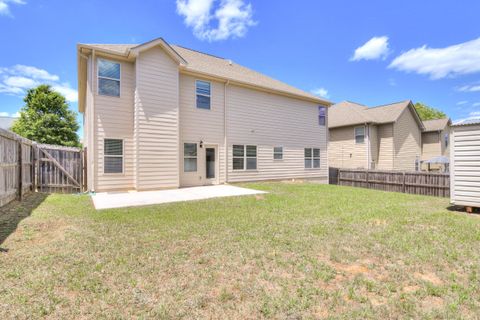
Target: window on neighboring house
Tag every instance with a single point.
(244, 157)
(113, 156)
(359, 134)
(203, 94)
(277, 153)
(322, 115)
(189, 157)
(446, 140)
(108, 78)
(312, 158)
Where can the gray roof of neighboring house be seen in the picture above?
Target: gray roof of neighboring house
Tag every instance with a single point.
(217, 67)
(466, 122)
(348, 113)
(436, 124)
(6, 122)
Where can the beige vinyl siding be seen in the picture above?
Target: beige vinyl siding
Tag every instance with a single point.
(385, 146)
(268, 120)
(373, 137)
(201, 125)
(114, 119)
(465, 165)
(431, 145)
(407, 141)
(343, 152)
(156, 117)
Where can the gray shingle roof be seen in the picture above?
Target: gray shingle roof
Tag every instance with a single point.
(349, 113)
(467, 122)
(6, 122)
(436, 125)
(219, 67)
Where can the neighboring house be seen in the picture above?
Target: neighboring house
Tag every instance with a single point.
(386, 137)
(163, 116)
(464, 168)
(435, 140)
(7, 122)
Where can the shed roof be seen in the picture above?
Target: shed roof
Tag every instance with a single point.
(348, 113)
(466, 122)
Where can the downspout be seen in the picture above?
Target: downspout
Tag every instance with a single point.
(92, 122)
(225, 132)
(368, 146)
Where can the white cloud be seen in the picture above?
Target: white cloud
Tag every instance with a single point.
(6, 114)
(460, 103)
(19, 78)
(373, 49)
(5, 7)
(321, 92)
(470, 88)
(463, 58)
(20, 82)
(232, 18)
(69, 93)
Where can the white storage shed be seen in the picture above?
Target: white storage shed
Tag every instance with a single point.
(465, 164)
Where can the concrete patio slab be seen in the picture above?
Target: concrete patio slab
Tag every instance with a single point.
(108, 200)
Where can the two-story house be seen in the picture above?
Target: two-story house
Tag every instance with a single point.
(163, 116)
(387, 137)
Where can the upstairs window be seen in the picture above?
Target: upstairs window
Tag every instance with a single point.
(446, 140)
(322, 115)
(203, 94)
(277, 153)
(108, 78)
(113, 156)
(359, 134)
(189, 157)
(312, 158)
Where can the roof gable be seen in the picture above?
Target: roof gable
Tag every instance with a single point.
(347, 113)
(436, 124)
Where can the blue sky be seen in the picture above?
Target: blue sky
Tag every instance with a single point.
(371, 52)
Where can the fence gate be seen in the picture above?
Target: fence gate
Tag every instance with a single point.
(59, 169)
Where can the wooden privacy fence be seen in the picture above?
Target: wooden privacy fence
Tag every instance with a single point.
(26, 166)
(422, 183)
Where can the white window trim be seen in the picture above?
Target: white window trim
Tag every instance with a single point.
(204, 95)
(355, 134)
(245, 157)
(189, 157)
(108, 78)
(114, 156)
(325, 116)
(277, 153)
(312, 158)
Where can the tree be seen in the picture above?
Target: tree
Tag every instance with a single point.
(428, 113)
(45, 118)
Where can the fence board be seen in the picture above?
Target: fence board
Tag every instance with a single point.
(422, 183)
(26, 166)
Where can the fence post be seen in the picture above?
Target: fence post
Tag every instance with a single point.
(404, 186)
(20, 170)
(366, 179)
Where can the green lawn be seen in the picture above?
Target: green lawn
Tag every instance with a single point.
(302, 251)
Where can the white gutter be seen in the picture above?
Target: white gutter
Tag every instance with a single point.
(92, 148)
(225, 140)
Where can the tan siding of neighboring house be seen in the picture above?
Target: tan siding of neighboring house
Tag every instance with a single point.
(157, 123)
(373, 137)
(407, 140)
(114, 119)
(431, 145)
(343, 152)
(201, 125)
(465, 165)
(385, 146)
(267, 120)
